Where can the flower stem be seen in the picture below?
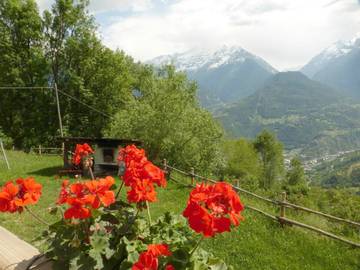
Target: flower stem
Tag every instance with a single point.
(118, 193)
(196, 246)
(91, 173)
(148, 212)
(36, 217)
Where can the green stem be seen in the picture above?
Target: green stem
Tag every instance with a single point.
(36, 217)
(118, 193)
(196, 246)
(148, 212)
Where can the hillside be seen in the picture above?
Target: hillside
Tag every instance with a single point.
(338, 66)
(304, 113)
(223, 75)
(258, 243)
(344, 171)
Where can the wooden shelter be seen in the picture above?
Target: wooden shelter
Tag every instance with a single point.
(106, 151)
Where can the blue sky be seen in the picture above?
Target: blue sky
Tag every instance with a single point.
(286, 33)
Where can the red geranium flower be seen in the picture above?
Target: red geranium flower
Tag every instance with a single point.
(159, 250)
(64, 192)
(132, 153)
(99, 192)
(150, 171)
(81, 152)
(142, 191)
(140, 174)
(77, 209)
(30, 191)
(212, 208)
(148, 260)
(8, 196)
(83, 197)
(13, 197)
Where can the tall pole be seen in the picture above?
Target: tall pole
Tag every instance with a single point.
(4, 154)
(58, 110)
(60, 123)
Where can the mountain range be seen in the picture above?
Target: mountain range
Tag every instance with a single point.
(304, 113)
(223, 75)
(314, 110)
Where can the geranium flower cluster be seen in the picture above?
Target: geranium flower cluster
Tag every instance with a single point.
(86, 196)
(81, 152)
(140, 175)
(213, 208)
(15, 196)
(148, 260)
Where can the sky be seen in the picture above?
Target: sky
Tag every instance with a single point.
(285, 33)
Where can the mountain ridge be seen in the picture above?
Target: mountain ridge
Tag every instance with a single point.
(304, 113)
(223, 75)
(338, 66)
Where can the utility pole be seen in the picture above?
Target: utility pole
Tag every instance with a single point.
(4, 154)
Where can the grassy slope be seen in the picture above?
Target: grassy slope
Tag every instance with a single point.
(257, 244)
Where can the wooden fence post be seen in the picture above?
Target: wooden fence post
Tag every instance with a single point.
(165, 169)
(40, 152)
(282, 207)
(192, 174)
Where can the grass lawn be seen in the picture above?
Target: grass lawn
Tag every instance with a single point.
(258, 243)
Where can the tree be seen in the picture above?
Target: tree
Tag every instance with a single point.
(296, 173)
(84, 68)
(242, 161)
(22, 63)
(270, 152)
(163, 112)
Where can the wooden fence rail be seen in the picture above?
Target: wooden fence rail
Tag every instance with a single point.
(48, 151)
(283, 204)
(298, 207)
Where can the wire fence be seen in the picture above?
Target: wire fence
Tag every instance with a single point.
(281, 205)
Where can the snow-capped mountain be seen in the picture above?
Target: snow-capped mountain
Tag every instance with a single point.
(224, 75)
(337, 50)
(338, 66)
(196, 59)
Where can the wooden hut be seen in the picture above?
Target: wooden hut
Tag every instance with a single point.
(106, 151)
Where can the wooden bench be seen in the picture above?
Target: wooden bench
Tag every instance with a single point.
(16, 254)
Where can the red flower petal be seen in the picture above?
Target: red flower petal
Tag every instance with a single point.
(159, 249)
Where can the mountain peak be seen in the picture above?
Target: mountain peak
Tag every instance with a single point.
(224, 74)
(338, 66)
(336, 50)
(209, 58)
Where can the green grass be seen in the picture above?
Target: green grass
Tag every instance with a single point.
(258, 243)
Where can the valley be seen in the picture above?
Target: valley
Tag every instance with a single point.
(315, 111)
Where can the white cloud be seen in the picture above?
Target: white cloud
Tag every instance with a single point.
(98, 6)
(121, 5)
(285, 33)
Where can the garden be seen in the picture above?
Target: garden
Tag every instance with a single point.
(94, 226)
